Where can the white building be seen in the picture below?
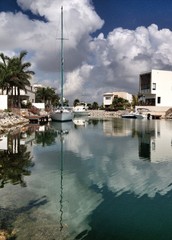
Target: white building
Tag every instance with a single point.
(155, 88)
(109, 97)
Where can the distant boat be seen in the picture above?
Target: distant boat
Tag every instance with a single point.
(132, 115)
(81, 110)
(62, 114)
(141, 113)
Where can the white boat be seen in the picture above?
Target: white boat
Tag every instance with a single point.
(139, 114)
(135, 115)
(81, 110)
(62, 114)
(129, 115)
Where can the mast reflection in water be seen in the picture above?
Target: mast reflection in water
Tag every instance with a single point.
(61, 133)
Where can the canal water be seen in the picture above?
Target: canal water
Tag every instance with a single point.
(88, 179)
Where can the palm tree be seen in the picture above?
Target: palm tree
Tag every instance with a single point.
(14, 74)
(4, 73)
(20, 75)
(76, 101)
(47, 96)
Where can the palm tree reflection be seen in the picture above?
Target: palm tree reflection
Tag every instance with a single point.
(47, 137)
(15, 162)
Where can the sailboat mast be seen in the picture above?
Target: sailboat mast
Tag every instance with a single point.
(62, 57)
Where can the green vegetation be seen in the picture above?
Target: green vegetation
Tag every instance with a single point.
(15, 163)
(15, 76)
(76, 101)
(119, 104)
(135, 101)
(47, 96)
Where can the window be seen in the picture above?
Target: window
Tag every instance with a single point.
(154, 86)
(108, 98)
(145, 81)
(159, 100)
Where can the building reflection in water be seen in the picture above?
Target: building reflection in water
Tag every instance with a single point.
(117, 128)
(155, 141)
(154, 137)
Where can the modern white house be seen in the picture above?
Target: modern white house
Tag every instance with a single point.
(109, 97)
(155, 88)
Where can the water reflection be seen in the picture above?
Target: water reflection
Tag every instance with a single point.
(155, 141)
(154, 137)
(118, 127)
(145, 140)
(78, 121)
(76, 201)
(45, 135)
(15, 151)
(62, 129)
(15, 159)
(91, 172)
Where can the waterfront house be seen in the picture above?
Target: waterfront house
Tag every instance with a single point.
(109, 97)
(155, 88)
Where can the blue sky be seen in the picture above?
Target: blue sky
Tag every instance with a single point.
(133, 13)
(110, 42)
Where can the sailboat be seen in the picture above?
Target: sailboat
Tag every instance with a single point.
(62, 113)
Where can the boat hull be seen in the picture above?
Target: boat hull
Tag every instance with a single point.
(134, 116)
(62, 115)
(129, 116)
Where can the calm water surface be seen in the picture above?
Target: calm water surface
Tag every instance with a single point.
(104, 180)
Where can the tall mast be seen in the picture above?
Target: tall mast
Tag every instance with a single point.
(62, 57)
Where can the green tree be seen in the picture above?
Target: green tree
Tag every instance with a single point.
(20, 75)
(15, 75)
(134, 100)
(95, 105)
(119, 103)
(76, 101)
(47, 95)
(4, 73)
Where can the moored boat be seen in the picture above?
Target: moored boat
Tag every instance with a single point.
(62, 113)
(138, 114)
(81, 110)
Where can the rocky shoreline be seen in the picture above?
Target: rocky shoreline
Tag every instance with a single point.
(105, 114)
(8, 121)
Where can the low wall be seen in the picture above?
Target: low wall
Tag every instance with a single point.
(3, 102)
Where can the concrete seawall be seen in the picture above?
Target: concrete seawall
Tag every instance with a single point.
(105, 114)
(117, 114)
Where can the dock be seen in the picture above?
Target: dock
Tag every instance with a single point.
(37, 118)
